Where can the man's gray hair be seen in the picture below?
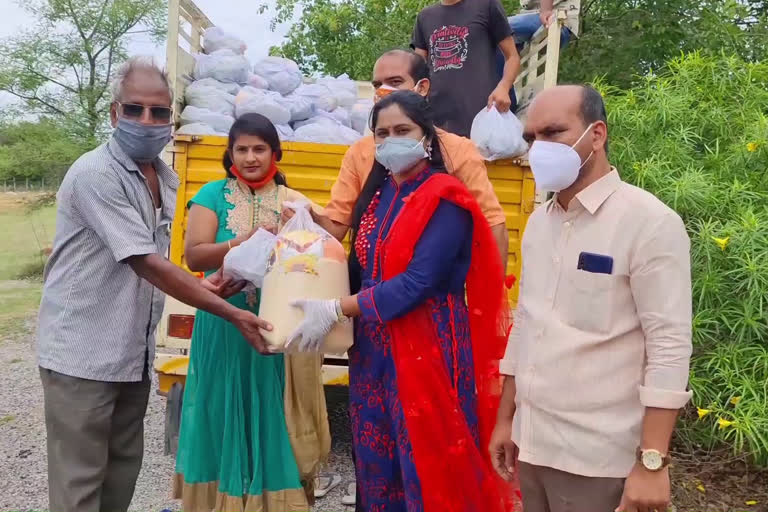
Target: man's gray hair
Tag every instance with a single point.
(138, 63)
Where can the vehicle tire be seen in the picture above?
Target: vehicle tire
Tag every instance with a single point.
(173, 404)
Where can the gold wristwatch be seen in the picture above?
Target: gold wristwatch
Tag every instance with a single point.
(341, 317)
(652, 460)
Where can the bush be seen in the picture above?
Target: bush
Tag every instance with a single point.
(697, 137)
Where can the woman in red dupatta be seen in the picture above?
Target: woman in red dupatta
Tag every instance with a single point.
(430, 328)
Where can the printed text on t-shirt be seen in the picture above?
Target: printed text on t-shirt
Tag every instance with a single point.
(449, 47)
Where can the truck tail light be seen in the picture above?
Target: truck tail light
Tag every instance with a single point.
(180, 326)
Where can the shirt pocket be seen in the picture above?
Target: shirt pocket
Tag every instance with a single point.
(588, 300)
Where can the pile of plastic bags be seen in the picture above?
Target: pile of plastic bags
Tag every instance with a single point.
(226, 86)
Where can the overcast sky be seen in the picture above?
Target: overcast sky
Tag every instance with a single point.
(240, 17)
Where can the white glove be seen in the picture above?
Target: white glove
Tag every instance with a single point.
(319, 318)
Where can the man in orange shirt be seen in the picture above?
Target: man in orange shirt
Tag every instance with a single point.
(404, 70)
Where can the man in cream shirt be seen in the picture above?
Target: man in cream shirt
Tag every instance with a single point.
(597, 362)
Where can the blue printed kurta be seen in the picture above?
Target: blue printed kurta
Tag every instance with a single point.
(385, 470)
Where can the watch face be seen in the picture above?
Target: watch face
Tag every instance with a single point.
(652, 460)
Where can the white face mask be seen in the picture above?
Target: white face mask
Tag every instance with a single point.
(556, 166)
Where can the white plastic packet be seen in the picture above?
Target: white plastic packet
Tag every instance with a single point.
(228, 87)
(301, 107)
(498, 135)
(306, 263)
(342, 115)
(257, 82)
(320, 94)
(283, 75)
(343, 88)
(326, 132)
(219, 122)
(223, 65)
(198, 129)
(284, 131)
(320, 117)
(249, 260)
(360, 114)
(203, 95)
(215, 39)
(267, 103)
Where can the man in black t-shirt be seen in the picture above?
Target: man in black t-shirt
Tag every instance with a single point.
(458, 39)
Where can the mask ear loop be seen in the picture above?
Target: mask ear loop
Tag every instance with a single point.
(427, 147)
(579, 140)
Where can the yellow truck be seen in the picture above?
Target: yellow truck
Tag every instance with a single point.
(312, 169)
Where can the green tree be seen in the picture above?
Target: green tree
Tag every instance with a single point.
(38, 149)
(623, 39)
(61, 66)
(347, 36)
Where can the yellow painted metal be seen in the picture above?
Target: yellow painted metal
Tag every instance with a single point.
(313, 168)
(170, 369)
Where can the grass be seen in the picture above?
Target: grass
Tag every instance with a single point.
(28, 227)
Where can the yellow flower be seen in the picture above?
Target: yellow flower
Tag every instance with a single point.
(703, 412)
(735, 400)
(750, 502)
(752, 147)
(722, 242)
(701, 488)
(724, 424)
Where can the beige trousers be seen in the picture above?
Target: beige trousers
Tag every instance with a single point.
(550, 490)
(95, 441)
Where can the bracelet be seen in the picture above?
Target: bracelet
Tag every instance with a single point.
(229, 244)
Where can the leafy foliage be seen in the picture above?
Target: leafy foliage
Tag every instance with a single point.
(348, 36)
(696, 136)
(61, 67)
(623, 39)
(35, 150)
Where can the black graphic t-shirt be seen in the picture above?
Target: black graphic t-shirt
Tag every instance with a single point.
(461, 42)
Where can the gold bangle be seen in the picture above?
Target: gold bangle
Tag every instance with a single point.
(229, 244)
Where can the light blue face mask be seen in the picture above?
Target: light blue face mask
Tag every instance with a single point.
(142, 142)
(400, 154)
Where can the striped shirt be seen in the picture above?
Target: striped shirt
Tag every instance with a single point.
(97, 317)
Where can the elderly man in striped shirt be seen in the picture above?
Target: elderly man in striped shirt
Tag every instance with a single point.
(102, 299)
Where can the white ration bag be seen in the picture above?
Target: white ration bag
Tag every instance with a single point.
(360, 114)
(215, 39)
(228, 87)
(326, 132)
(221, 123)
(342, 115)
(198, 129)
(498, 135)
(284, 131)
(202, 95)
(249, 260)
(257, 82)
(267, 103)
(283, 75)
(320, 94)
(306, 263)
(343, 88)
(301, 107)
(223, 65)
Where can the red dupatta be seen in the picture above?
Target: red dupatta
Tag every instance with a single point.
(455, 475)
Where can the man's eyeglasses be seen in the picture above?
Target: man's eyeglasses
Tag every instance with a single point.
(134, 111)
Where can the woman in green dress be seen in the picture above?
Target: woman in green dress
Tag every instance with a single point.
(254, 427)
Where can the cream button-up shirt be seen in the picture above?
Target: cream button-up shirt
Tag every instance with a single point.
(590, 351)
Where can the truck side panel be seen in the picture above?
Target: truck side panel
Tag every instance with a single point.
(312, 169)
